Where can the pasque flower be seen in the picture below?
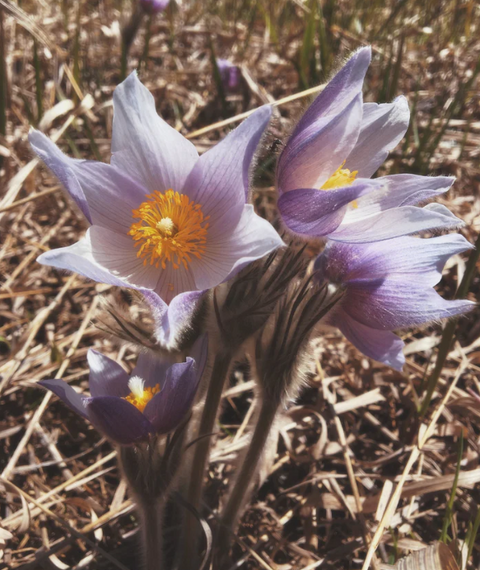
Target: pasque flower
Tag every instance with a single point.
(324, 172)
(153, 6)
(154, 399)
(389, 285)
(163, 220)
(229, 74)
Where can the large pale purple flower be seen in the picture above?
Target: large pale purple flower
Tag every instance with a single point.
(154, 399)
(324, 172)
(389, 285)
(163, 220)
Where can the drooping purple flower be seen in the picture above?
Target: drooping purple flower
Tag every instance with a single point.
(389, 285)
(154, 399)
(229, 74)
(324, 172)
(153, 6)
(163, 220)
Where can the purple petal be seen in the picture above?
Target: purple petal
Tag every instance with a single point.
(219, 180)
(67, 394)
(144, 145)
(395, 223)
(252, 239)
(383, 346)
(107, 378)
(317, 213)
(154, 6)
(152, 369)
(396, 191)
(61, 166)
(394, 303)
(172, 282)
(167, 409)
(383, 127)
(105, 195)
(340, 91)
(173, 320)
(313, 154)
(117, 419)
(106, 257)
(422, 259)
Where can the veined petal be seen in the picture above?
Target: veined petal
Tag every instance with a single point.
(67, 394)
(167, 409)
(152, 369)
(171, 282)
(61, 166)
(399, 190)
(395, 223)
(421, 260)
(252, 239)
(119, 420)
(313, 154)
(383, 346)
(172, 321)
(105, 194)
(219, 181)
(317, 213)
(144, 146)
(340, 90)
(105, 257)
(107, 378)
(383, 127)
(394, 303)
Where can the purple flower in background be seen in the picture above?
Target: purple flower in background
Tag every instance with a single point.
(154, 399)
(229, 74)
(153, 6)
(163, 220)
(389, 285)
(324, 173)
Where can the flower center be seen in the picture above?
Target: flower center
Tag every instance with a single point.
(139, 395)
(341, 177)
(169, 228)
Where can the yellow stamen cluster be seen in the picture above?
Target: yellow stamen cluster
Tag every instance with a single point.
(341, 177)
(170, 228)
(140, 397)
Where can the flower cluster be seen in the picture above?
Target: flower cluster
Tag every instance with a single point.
(179, 231)
(173, 225)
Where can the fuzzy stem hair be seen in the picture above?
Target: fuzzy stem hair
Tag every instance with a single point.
(220, 370)
(151, 518)
(246, 477)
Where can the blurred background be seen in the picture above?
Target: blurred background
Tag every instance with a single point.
(206, 63)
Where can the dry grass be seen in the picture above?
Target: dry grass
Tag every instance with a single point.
(348, 467)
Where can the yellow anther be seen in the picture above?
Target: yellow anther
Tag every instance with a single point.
(139, 395)
(170, 228)
(341, 177)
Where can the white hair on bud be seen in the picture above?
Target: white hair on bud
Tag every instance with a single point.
(136, 386)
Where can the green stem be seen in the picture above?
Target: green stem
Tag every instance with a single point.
(246, 476)
(449, 330)
(200, 458)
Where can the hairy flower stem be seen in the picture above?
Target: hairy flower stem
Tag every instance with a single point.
(151, 514)
(449, 330)
(246, 477)
(200, 458)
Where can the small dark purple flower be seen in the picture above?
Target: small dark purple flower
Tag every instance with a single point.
(324, 173)
(229, 74)
(163, 220)
(154, 399)
(153, 6)
(389, 285)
